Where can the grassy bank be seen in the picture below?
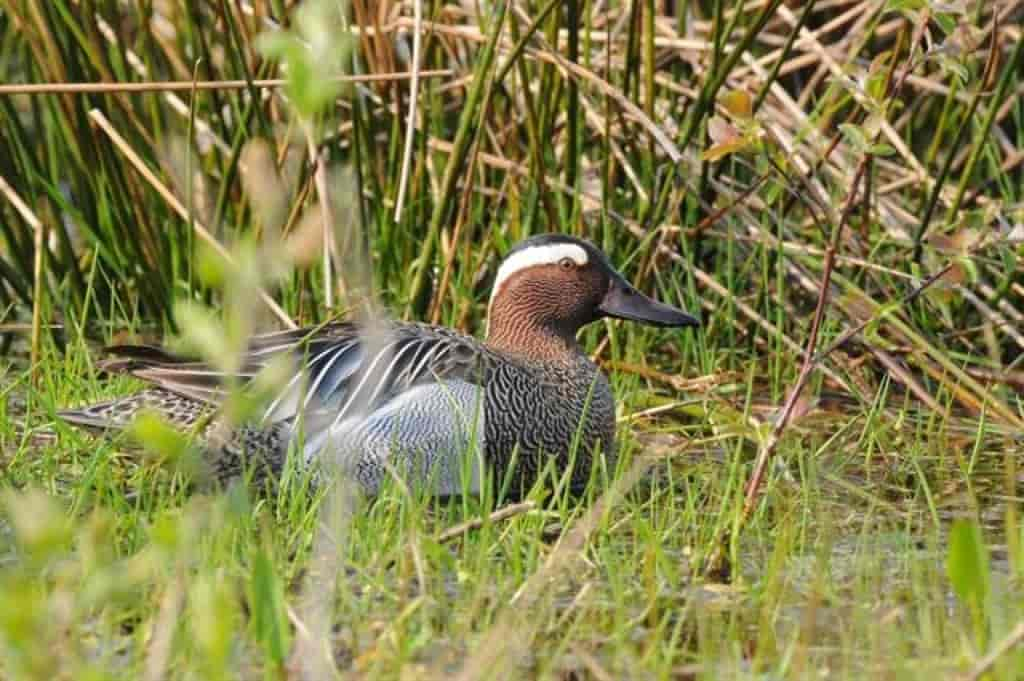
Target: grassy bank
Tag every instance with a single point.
(834, 185)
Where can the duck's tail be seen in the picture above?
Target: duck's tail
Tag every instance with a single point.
(181, 412)
(227, 451)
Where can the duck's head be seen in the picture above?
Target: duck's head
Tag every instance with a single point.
(549, 286)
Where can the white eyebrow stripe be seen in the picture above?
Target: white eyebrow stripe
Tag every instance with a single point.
(538, 255)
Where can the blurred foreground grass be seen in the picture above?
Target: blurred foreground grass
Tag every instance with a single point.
(712, 149)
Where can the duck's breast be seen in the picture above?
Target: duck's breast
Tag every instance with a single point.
(558, 413)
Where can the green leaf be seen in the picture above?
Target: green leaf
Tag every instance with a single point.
(267, 604)
(211, 267)
(855, 137)
(953, 67)
(881, 313)
(877, 76)
(213, 618)
(970, 269)
(166, 444)
(904, 5)
(967, 563)
(946, 22)
(726, 137)
(314, 54)
(40, 525)
(875, 87)
(204, 334)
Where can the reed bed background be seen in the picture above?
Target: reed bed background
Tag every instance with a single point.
(823, 482)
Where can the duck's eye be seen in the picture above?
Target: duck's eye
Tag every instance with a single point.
(566, 263)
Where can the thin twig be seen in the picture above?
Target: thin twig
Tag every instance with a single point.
(410, 126)
(162, 636)
(503, 513)
(38, 229)
(183, 85)
(1011, 641)
(786, 414)
(319, 158)
(39, 245)
(750, 495)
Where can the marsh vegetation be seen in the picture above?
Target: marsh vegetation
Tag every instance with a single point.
(822, 483)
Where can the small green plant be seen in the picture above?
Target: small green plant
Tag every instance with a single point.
(967, 566)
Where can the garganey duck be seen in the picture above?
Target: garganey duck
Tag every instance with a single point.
(432, 404)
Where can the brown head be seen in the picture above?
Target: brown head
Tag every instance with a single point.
(549, 286)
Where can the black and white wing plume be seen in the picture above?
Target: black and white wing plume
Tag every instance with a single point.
(343, 368)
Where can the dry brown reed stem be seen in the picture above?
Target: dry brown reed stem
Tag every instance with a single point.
(597, 124)
(597, 671)
(588, 200)
(889, 363)
(311, 658)
(786, 413)
(39, 244)
(139, 67)
(161, 639)
(953, 378)
(168, 196)
(577, 71)
(1011, 378)
(793, 248)
(319, 159)
(802, 43)
(187, 85)
(1002, 304)
(711, 284)
(503, 513)
(414, 89)
(768, 448)
(992, 316)
(1011, 641)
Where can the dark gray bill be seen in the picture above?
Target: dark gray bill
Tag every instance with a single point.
(625, 302)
